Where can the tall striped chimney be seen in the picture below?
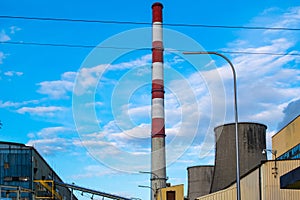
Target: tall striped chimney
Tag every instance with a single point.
(158, 153)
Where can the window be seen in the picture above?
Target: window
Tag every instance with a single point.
(293, 153)
(6, 165)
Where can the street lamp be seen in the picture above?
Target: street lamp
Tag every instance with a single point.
(274, 152)
(238, 187)
(145, 186)
(155, 177)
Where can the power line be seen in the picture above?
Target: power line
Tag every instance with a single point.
(260, 53)
(148, 23)
(70, 45)
(74, 20)
(139, 49)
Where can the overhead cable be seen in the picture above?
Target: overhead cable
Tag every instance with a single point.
(148, 23)
(139, 49)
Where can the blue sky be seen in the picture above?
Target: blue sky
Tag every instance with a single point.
(87, 111)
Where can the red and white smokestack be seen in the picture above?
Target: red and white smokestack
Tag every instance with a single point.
(158, 155)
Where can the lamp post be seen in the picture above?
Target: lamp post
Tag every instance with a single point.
(145, 186)
(238, 187)
(155, 177)
(274, 153)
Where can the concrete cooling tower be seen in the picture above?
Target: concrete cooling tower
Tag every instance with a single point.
(252, 140)
(199, 180)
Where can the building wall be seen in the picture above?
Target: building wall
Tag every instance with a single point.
(250, 189)
(287, 138)
(15, 168)
(42, 171)
(261, 184)
(227, 194)
(271, 184)
(178, 189)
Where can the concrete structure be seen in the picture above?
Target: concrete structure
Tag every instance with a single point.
(158, 155)
(175, 192)
(252, 140)
(261, 184)
(203, 180)
(199, 181)
(26, 175)
(287, 141)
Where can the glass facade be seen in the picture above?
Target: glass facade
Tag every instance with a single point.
(16, 170)
(293, 153)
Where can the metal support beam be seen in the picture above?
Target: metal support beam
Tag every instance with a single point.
(91, 191)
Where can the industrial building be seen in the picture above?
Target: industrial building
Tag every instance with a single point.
(287, 141)
(260, 179)
(286, 145)
(261, 184)
(26, 175)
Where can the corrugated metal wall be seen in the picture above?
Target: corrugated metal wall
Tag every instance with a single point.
(227, 194)
(268, 187)
(271, 185)
(287, 138)
(249, 189)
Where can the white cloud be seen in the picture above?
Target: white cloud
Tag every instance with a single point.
(49, 145)
(58, 89)
(269, 135)
(94, 104)
(2, 57)
(290, 112)
(138, 132)
(9, 104)
(94, 171)
(55, 89)
(4, 37)
(144, 60)
(14, 29)
(288, 19)
(52, 140)
(88, 78)
(51, 131)
(13, 73)
(266, 83)
(269, 114)
(41, 110)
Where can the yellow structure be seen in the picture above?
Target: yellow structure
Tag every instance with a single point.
(175, 192)
(261, 184)
(287, 141)
(48, 185)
